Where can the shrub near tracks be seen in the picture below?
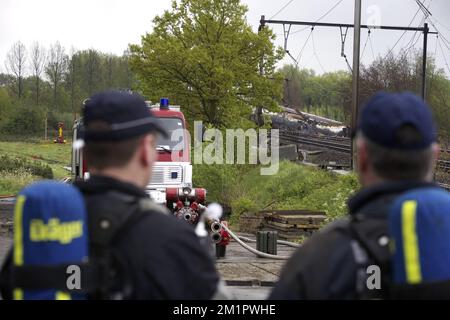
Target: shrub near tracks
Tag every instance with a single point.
(293, 187)
(24, 162)
(35, 168)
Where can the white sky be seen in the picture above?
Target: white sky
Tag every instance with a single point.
(110, 25)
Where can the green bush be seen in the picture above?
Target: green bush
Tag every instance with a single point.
(23, 121)
(219, 180)
(293, 187)
(13, 182)
(28, 124)
(35, 168)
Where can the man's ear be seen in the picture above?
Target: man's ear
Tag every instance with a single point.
(363, 156)
(436, 153)
(146, 147)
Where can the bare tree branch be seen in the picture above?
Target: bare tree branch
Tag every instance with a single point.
(38, 56)
(15, 64)
(56, 67)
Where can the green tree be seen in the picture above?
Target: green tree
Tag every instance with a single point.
(403, 72)
(6, 105)
(326, 95)
(204, 55)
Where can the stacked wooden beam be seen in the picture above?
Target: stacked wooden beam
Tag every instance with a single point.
(292, 224)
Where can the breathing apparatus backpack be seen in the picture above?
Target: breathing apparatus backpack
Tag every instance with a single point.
(50, 241)
(411, 248)
(61, 252)
(419, 224)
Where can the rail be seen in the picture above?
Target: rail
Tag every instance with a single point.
(341, 146)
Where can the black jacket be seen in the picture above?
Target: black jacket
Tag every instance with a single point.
(325, 267)
(163, 257)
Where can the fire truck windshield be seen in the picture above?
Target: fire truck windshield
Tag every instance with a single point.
(167, 144)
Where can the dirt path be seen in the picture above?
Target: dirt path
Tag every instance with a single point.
(241, 267)
(5, 244)
(6, 208)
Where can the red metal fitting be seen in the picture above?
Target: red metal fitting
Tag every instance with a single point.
(225, 235)
(225, 238)
(171, 194)
(200, 195)
(194, 206)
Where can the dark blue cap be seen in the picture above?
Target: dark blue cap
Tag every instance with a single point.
(385, 113)
(126, 115)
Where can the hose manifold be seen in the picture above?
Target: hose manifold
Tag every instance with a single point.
(216, 237)
(216, 226)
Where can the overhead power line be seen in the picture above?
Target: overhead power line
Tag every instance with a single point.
(282, 8)
(303, 47)
(403, 34)
(443, 55)
(415, 38)
(371, 47)
(329, 11)
(424, 29)
(435, 48)
(412, 42)
(424, 9)
(315, 53)
(321, 17)
(365, 44)
(429, 17)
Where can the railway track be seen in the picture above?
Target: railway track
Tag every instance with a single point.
(444, 186)
(342, 144)
(337, 145)
(444, 165)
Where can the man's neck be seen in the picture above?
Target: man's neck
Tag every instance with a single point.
(123, 175)
(371, 180)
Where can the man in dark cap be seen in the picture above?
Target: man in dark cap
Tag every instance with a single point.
(143, 252)
(164, 256)
(350, 258)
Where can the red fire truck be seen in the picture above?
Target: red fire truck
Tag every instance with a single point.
(171, 182)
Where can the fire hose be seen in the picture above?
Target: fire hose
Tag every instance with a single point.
(214, 212)
(286, 243)
(252, 250)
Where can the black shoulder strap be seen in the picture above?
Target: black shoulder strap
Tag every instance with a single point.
(370, 246)
(111, 216)
(373, 236)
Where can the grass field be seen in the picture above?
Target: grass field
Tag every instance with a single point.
(55, 155)
(295, 186)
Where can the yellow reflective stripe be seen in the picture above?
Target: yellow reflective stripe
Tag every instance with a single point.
(410, 242)
(18, 231)
(18, 294)
(60, 295)
(18, 240)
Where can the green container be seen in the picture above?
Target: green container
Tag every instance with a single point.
(220, 251)
(266, 241)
